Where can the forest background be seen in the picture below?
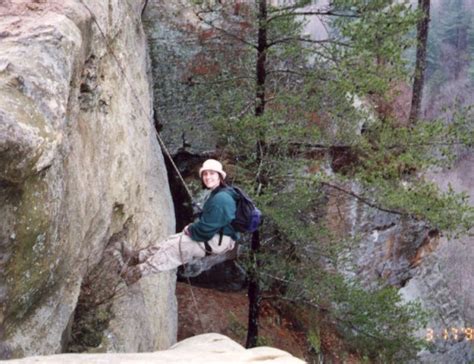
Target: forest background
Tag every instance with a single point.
(304, 111)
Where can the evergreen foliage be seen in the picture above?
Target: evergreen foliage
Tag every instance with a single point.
(313, 137)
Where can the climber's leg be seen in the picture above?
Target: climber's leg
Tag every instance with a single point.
(176, 250)
(169, 254)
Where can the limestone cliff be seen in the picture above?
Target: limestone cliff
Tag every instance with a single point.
(80, 169)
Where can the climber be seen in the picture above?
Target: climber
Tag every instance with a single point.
(211, 234)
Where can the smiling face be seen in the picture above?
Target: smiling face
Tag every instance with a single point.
(211, 179)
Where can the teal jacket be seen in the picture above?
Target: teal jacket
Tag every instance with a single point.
(217, 213)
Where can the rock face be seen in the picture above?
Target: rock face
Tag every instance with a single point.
(425, 266)
(444, 280)
(80, 169)
(179, 111)
(206, 348)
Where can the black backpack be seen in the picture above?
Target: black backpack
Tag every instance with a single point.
(247, 216)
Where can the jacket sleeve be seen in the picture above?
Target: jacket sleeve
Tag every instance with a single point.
(218, 213)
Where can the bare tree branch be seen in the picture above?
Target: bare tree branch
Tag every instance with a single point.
(313, 13)
(192, 82)
(284, 8)
(292, 72)
(307, 40)
(224, 31)
(246, 109)
(363, 199)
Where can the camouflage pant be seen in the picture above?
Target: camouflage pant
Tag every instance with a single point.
(176, 250)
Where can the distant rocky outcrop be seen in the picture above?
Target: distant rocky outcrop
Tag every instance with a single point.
(206, 348)
(424, 264)
(444, 280)
(80, 170)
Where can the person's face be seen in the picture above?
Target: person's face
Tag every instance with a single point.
(210, 179)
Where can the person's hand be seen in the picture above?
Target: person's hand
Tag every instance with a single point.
(186, 230)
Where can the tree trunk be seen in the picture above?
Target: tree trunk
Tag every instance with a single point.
(261, 57)
(422, 40)
(254, 293)
(261, 74)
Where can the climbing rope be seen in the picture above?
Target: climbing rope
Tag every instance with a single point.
(124, 75)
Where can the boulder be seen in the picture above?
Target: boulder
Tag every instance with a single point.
(80, 170)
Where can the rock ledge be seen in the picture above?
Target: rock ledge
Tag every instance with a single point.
(205, 348)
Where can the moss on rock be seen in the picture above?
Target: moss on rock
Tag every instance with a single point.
(30, 266)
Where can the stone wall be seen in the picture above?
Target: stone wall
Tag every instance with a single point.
(80, 169)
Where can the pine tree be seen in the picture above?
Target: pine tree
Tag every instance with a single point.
(283, 104)
(421, 50)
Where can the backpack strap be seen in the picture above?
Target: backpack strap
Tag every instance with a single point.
(208, 248)
(221, 234)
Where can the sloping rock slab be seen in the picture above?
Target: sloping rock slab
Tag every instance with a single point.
(205, 348)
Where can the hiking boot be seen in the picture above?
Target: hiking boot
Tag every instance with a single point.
(130, 257)
(131, 275)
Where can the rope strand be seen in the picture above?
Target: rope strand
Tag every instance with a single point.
(191, 287)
